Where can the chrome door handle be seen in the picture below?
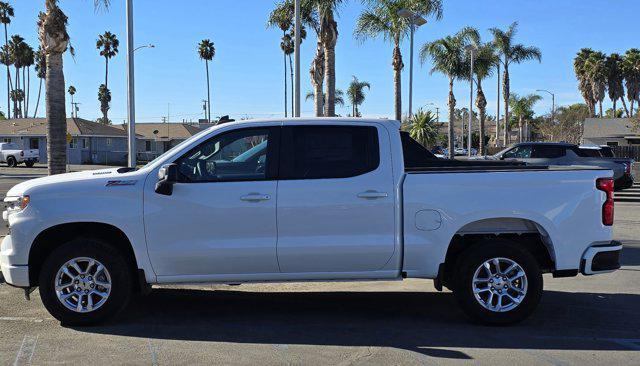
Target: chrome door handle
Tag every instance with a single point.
(255, 197)
(372, 194)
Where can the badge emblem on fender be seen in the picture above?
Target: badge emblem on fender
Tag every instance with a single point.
(114, 183)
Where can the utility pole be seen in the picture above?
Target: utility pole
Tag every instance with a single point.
(131, 104)
(296, 91)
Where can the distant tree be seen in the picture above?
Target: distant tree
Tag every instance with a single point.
(485, 62)
(6, 13)
(523, 110)
(207, 51)
(17, 96)
(448, 58)
(596, 71)
(631, 72)
(356, 95)
(107, 44)
(511, 53)
(423, 128)
(568, 125)
(381, 19)
(584, 82)
(72, 91)
(609, 113)
(103, 121)
(338, 99)
(615, 80)
(41, 73)
(104, 97)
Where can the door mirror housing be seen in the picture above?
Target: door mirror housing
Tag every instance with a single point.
(167, 176)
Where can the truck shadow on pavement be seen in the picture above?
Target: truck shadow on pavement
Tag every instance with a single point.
(425, 322)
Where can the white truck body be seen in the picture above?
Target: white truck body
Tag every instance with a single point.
(388, 223)
(12, 154)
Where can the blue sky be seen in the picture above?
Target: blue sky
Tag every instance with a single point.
(247, 72)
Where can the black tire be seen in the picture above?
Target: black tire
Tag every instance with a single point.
(29, 164)
(12, 162)
(110, 257)
(473, 258)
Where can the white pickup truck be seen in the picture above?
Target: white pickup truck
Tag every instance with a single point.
(12, 155)
(307, 200)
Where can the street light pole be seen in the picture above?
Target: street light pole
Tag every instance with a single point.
(415, 20)
(498, 110)
(553, 104)
(131, 108)
(296, 91)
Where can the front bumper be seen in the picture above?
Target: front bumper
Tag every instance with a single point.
(14, 274)
(601, 258)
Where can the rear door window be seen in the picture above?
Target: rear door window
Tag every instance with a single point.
(322, 152)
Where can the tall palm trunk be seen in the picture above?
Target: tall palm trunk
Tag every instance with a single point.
(17, 103)
(397, 80)
(614, 107)
(520, 131)
(56, 115)
(26, 109)
(206, 63)
(452, 105)
(481, 103)
(9, 86)
(624, 105)
(284, 58)
(317, 74)
(105, 110)
(35, 113)
(600, 107)
(329, 40)
(505, 92)
(497, 141)
(292, 86)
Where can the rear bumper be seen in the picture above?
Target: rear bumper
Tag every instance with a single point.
(624, 182)
(601, 258)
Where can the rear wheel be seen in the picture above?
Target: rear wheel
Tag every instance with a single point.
(498, 283)
(84, 282)
(12, 162)
(29, 163)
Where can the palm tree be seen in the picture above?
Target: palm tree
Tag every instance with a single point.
(328, 37)
(631, 72)
(6, 58)
(17, 97)
(104, 96)
(584, 83)
(287, 47)
(282, 18)
(596, 70)
(107, 44)
(339, 99)
(6, 13)
(28, 59)
(448, 57)
(484, 63)
(41, 73)
(355, 94)
(207, 51)
(72, 92)
(17, 51)
(423, 128)
(382, 19)
(511, 53)
(615, 80)
(523, 110)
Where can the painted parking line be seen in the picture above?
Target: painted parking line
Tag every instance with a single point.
(26, 351)
(630, 343)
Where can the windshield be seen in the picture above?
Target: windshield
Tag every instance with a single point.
(11, 146)
(177, 147)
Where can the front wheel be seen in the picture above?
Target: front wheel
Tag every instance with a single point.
(12, 162)
(498, 283)
(84, 282)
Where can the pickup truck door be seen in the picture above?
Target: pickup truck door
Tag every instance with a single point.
(335, 199)
(221, 217)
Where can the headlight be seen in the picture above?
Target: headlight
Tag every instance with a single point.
(16, 204)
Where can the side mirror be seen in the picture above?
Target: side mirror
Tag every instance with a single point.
(167, 176)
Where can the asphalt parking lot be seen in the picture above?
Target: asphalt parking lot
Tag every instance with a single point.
(581, 320)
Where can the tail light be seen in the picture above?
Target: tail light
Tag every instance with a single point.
(606, 185)
(627, 168)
